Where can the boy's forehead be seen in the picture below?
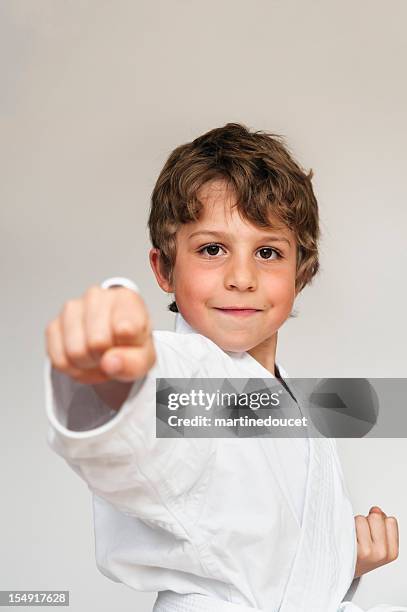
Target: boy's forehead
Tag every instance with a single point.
(219, 208)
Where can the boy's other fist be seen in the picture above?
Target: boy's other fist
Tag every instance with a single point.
(378, 540)
(104, 335)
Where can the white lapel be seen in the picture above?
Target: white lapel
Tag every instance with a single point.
(326, 554)
(181, 326)
(326, 551)
(268, 448)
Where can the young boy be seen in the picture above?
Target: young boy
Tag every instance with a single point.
(210, 523)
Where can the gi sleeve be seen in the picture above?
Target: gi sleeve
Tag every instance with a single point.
(116, 452)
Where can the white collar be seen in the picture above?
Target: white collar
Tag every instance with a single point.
(182, 327)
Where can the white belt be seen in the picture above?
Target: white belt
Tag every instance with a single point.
(348, 606)
(168, 601)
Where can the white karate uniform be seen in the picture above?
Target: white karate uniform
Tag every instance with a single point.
(210, 523)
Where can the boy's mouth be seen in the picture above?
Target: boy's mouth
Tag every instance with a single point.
(238, 310)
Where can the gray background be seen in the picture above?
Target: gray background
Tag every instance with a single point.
(94, 96)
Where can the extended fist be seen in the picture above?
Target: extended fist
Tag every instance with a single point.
(378, 540)
(104, 335)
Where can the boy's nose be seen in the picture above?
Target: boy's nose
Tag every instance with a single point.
(240, 276)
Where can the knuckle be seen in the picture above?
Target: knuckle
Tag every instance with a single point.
(60, 363)
(96, 340)
(381, 554)
(93, 295)
(126, 326)
(69, 306)
(98, 343)
(364, 552)
(360, 521)
(76, 353)
(120, 293)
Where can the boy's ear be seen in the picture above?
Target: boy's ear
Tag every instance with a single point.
(156, 264)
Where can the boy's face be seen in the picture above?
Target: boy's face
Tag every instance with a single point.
(235, 266)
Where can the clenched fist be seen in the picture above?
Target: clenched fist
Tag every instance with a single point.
(378, 540)
(103, 336)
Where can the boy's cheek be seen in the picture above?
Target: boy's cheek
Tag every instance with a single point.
(281, 293)
(196, 287)
(191, 301)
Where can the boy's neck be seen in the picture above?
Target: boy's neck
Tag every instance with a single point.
(265, 354)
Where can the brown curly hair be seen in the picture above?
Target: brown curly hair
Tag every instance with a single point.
(264, 176)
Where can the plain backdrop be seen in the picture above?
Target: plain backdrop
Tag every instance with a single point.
(94, 96)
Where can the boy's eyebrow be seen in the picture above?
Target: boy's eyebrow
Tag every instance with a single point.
(223, 235)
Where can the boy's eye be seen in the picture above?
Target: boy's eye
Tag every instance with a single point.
(212, 249)
(267, 251)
